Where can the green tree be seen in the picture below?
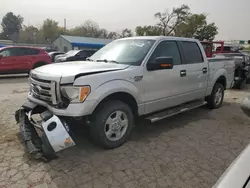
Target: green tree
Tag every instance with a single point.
(11, 26)
(195, 26)
(28, 34)
(148, 30)
(191, 25)
(168, 21)
(50, 30)
(207, 32)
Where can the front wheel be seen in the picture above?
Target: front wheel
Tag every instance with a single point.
(112, 124)
(216, 98)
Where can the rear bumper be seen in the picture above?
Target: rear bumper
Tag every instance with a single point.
(45, 137)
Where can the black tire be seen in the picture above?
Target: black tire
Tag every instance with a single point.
(211, 100)
(98, 122)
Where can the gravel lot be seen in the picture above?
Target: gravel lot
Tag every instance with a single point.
(188, 150)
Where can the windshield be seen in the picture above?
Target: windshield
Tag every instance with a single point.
(129, 51)
(71, 53)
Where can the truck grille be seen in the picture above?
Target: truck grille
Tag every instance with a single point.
(44, 90)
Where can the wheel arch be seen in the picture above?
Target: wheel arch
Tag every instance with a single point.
(122, 96)
(222, 80)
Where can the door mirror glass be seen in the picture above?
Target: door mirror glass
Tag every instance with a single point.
(161, 63)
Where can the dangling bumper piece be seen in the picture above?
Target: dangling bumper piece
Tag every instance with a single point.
(43, 137)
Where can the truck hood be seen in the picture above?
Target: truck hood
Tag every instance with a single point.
(69, 70)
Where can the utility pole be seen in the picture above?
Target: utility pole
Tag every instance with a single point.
(64, 24)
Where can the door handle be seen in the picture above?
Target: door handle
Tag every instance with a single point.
(183, 73)
(204, 70)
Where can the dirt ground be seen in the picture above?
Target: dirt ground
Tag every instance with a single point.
(186, 151)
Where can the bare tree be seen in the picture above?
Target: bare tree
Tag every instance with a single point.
(168, 21)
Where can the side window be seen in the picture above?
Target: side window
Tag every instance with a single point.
(90, 53)
(4, 53)
(24, 51)
(31, 51)
(167, 49)
(192, 52)
(83, 54)
(11, 52)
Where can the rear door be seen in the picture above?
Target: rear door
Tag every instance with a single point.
(196, 69)
(28, 57)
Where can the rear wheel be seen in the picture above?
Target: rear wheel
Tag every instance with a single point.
(216, 98)
(112, 124)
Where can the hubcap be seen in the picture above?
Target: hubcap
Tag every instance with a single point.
(218, 96)
(116, 125)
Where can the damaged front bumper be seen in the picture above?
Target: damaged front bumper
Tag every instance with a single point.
(43, 137)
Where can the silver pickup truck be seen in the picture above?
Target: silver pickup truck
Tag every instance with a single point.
(153, 77)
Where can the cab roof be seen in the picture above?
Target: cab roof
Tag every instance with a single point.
(161, 38)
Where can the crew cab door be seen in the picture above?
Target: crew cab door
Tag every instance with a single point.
(163, 87)
(196, 70)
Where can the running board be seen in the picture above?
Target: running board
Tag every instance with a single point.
(176, 110)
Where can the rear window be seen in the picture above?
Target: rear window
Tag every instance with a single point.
(192, 52)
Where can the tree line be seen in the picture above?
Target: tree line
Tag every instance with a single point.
(177, 22)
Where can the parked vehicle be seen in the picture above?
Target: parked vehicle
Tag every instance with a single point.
(18, 59)
(75, 55)
(48, 49)
(238, 173)
(54, 54)
(153, 77)
(242, 68)
(218, 47)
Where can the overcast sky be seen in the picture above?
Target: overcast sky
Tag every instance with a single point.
(232, 17)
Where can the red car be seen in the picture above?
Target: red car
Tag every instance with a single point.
(16, 59)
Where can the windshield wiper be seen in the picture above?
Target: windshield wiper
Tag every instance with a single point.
(107, 61)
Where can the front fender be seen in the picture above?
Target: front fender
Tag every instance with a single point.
(111, 87)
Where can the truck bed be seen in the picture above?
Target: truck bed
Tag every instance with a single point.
(228, 64)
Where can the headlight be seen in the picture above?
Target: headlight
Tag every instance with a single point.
(76, 94)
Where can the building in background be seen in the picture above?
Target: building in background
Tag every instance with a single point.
(4, 43)
(65, 43)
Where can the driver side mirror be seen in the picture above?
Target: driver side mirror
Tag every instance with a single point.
(161, 63)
